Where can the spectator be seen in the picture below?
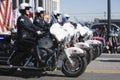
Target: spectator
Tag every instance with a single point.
(97, 32)
(108, 47)
(104, 34)
(115, 44)
(39, 20)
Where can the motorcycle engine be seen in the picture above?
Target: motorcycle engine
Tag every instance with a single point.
(45, 42)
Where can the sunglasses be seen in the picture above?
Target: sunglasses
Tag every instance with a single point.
(58, 14)
(27, 8)
(42, 12)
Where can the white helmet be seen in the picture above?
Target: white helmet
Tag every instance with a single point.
(66, 15)
(23, 6)
(56, 12)
(39, 9)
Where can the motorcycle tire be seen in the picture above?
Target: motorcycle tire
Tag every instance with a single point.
(89, 56)
(80, 64)
(96, 52)
(101, 50)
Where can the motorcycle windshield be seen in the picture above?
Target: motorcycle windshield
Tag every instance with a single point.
(64, 19)
(83, 29)
(53, 19)
(58, 32)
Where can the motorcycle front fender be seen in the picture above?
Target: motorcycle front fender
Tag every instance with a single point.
(93, 42)
(74, 50)
(82, 45)
(99, 42)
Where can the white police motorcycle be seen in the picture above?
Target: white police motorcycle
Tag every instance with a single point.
(53, 53)
(86, 36)
(72, 29)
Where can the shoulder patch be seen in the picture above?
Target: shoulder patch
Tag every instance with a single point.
(22, 19)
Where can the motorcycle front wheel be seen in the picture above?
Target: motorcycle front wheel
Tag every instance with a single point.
(89, 56)
(96, 52)
(80, 64)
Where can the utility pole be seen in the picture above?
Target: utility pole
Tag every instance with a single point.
(108, 17)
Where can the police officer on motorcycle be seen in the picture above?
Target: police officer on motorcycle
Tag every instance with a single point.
(25, 28)
(39, 20)
(65, 19)
(67, 16)
(26, 31)
(43, 27)
(56, 16)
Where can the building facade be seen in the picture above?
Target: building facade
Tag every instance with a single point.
(48, 5)
(16, 3)
(51, 5)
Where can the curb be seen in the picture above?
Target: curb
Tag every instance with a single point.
(106, 55)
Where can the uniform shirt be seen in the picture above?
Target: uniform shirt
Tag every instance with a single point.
(24, 25)
(40, 23)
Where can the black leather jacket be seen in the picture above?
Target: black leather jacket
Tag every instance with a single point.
(41, 24)
(25, 26)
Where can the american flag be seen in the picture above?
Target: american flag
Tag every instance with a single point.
(2, 15)
(9, 15)
(6, 15)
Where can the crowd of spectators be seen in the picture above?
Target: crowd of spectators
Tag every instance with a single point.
(110, 43)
